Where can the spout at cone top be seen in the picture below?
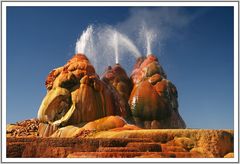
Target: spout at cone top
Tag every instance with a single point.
(78, 57)
(114, 71)
(118, 69)
(114, 67)
(143, 61)
(151, 56)
(149, 59)
(146, 67)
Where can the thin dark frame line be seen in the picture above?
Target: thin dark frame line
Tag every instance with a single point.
(123, 1)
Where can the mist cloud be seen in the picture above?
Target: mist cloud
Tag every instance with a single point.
(164, 22)
(143, 32)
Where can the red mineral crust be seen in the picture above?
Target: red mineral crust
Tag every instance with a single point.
(117, 78)
(151, 143)
(76, 95)
(153, 100)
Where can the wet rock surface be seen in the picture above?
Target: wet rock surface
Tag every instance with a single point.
(113, 123)
(153, 100)
(165, 143)
(76, 95)
(117, 78)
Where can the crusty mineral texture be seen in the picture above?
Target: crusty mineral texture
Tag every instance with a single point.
(117, 78)
(26, 128)
(114, 123)
(98, 142)
(211, 143)
(153, 100)
(75, 95)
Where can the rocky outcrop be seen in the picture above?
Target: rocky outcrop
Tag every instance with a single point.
(159, 143)
(25, 128)
(117, 78)
(75, 96)
(114, 123)
(216, 143)
(153, 100)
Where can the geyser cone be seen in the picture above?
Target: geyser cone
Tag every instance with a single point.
(75, 95)
(153, 100)
(146, 67)
(117, 78)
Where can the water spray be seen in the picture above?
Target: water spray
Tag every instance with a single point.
(115, 42)
(148, 42)
(105, 45)
(84, 40)
(147, 36)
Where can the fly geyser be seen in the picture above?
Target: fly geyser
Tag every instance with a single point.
(84, 116)
(76, 96)
(120, 112)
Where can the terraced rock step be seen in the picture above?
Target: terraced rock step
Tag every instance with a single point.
(134, 154)
(159, 143)
(146, 146)
(117, 149)
(61, 147)
(169, 148)
(15, 149)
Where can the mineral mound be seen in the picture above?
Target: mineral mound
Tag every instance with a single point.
(76, 96)
(78, 101)
(117, 78)
(153, 100)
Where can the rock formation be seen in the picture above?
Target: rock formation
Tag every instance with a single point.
(153, 100)
(151, 143)
(76, 95)
(109, 123)
(117, 78)
(25, 128)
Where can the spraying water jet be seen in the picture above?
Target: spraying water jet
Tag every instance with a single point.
(119, 43)
(105, 45)
(147, 36)
(115, 42)
(84, 40)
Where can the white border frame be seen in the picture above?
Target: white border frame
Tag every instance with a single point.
(92, 3)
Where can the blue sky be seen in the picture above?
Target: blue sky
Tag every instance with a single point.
(195, 50)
